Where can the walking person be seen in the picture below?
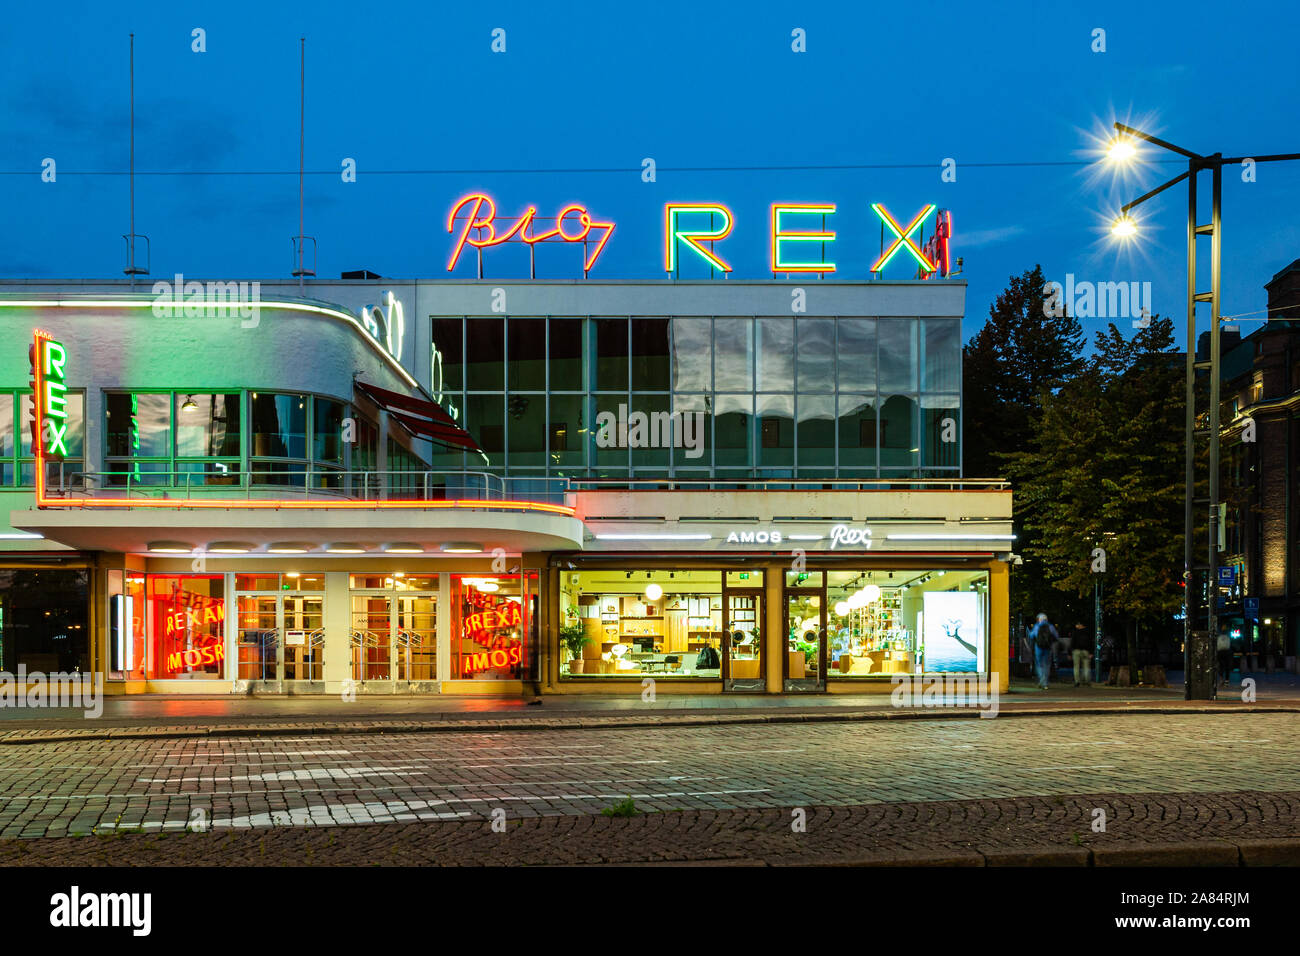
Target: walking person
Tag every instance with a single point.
(1082, 655)
(1045, 636)
(1224, 649)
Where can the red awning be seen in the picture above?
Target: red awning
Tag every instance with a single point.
(427, 419)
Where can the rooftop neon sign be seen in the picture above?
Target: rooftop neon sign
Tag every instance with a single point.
(481, 220)
(793, 228)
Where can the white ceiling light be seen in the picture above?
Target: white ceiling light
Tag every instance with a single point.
(653, 592)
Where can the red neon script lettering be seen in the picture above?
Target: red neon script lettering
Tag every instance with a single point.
(481, 221)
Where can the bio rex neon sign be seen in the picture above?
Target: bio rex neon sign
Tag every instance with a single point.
(798, 234)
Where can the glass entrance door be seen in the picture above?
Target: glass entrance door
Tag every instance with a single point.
(281, 637)
(258, 642)
(303, 657)
(805, 627)
(417, 637)
(372, 637)
(742, 641)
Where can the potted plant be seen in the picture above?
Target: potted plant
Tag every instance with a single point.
(573, 640)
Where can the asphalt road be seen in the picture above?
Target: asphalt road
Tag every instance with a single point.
(269, 782)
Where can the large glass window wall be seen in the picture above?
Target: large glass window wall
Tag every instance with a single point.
(704, 397)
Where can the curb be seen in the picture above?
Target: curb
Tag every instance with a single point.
(29, 736)
(1199, 853)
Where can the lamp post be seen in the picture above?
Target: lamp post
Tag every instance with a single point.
(1198, 648)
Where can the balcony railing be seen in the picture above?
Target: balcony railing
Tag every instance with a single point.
(305, 484)
(789, 484)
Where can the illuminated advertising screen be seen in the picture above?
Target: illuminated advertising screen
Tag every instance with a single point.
(954, 631)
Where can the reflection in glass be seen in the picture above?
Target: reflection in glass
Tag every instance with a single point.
(609, 345)
(941, 364)
(816, 433)
(940, 434)
(733, 354)
(207, 426)
(564, 346)
(279, 425)
(775, 430)
(775, 354)
(734, 431)
(897, 355)
(139, 425)
(856, 354)
(898, 432)
(857, 426)
(692, 353)
(816, 359)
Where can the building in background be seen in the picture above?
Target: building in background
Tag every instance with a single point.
(472, 487)
(1262, 477)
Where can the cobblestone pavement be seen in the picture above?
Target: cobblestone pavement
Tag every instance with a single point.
(1221, 829)
(268, 783)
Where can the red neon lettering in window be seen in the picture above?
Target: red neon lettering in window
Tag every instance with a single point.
(481, 219)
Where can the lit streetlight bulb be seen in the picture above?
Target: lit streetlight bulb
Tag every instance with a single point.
(1121, 150)
(1124, 227)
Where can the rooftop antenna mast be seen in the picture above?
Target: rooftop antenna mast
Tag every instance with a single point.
(132, 270)
(299, 241)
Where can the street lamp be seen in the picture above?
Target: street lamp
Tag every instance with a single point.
(1198, 663)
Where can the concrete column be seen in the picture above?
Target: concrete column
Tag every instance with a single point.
(338, 631)
(774, 638)
(444, 627)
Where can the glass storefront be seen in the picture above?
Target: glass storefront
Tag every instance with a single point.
(280, 634)
(44, 622)
(707, 624)
(394, 627)
(185, 620)
(494, 626)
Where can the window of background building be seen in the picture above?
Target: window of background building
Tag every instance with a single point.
(526, 423)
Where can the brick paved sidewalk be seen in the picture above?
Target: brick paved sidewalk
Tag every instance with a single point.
(369, 724)
(1215, 829)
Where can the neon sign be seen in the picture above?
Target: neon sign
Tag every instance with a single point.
(779, 235)
(786, 237)
(903, 238)
(479, 624)
(51, 404)
(481, 219)
(497, 657)
(196, 657)
(196, 617)
(936, 247)
(386, 323)
(673, 235)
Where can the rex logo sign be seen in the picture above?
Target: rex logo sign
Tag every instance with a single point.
(49, 361)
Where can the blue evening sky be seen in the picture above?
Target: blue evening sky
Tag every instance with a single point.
(415, 86)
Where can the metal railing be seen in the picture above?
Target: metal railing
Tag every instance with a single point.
(789, 484)
(307, 483)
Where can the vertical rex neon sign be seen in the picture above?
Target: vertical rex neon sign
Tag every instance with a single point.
(692, 237)
(50, 404)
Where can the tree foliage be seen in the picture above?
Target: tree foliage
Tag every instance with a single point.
(1104, 468)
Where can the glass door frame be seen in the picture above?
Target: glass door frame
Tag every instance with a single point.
(756, 685)
(786, 594)
(279, 614)
(280, 629)
(393, 595)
